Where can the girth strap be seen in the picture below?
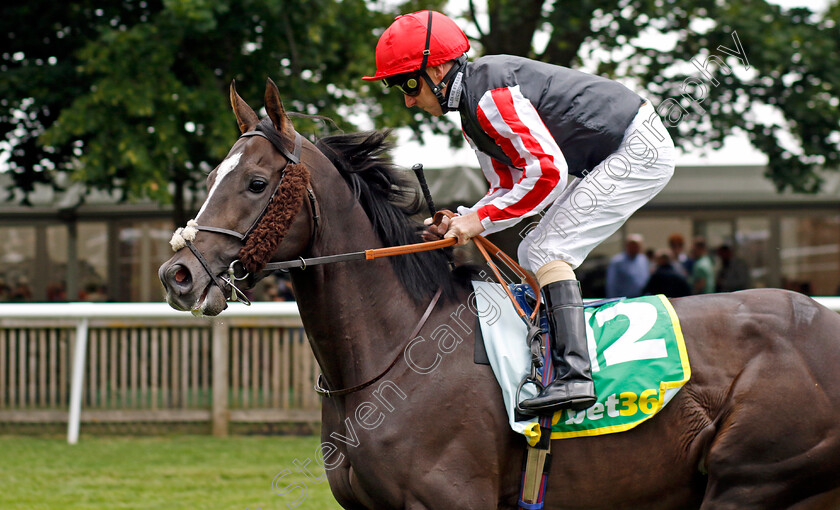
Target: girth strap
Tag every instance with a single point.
(536, 465)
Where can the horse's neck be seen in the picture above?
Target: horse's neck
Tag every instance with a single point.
(358, 315)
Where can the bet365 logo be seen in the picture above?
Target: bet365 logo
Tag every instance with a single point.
(624, 404)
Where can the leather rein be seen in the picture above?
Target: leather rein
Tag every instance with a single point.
(488, 250)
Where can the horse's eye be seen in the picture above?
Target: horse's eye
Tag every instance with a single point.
(257, 186)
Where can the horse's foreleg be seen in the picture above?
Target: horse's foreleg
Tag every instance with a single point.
(341, 487)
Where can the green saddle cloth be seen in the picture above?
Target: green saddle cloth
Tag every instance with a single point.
(638, 364)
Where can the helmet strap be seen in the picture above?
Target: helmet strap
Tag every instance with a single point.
(426, 54)
(454, 84)
(437, 89)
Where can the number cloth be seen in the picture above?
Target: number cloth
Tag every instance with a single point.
(638, 355)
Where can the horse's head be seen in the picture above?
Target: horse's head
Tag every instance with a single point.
(255, 199)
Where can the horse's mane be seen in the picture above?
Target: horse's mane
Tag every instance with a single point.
(390, 200)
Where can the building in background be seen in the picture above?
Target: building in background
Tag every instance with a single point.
(788, 240)
(72, 247)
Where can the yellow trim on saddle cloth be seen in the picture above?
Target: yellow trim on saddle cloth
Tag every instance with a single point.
(675, 321)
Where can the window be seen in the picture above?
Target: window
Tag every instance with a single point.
(752, 244)
(17, 256)
(142, 247)
(92, 276)
(56, 285)
(810, 254)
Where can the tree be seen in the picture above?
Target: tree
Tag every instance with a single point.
(133, 97)
(38, 77)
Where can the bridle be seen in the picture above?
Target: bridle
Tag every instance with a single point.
(292, 160)
(236, 271)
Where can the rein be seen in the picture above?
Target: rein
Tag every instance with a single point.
(321, 390)
(487, 249)
(375, 253)
(295, 177)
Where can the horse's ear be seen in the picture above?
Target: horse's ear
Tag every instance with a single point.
(245, 116)
(274, 107)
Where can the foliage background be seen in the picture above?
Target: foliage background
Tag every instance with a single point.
(131, 96)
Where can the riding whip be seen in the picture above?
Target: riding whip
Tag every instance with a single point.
(421, 178)
(418, 171)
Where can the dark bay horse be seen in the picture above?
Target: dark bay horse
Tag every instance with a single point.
(756, 427)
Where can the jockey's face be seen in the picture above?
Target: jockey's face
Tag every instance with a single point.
(426, 99)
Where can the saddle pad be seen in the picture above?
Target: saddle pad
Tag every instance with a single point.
(636, 347)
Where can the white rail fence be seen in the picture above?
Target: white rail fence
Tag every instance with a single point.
(124, 362)
(145, 362)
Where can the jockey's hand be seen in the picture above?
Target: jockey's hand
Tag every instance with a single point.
(463, 228)
(435, 232)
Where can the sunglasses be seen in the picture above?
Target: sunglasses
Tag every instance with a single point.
(408, 83)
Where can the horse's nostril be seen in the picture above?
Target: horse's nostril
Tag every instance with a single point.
(177, 275)
(181, 275)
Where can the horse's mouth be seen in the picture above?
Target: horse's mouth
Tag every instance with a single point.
(210, 303)
(185, 293)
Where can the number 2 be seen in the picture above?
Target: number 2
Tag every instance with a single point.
(629, 347)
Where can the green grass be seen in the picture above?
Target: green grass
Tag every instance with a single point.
(190, 472)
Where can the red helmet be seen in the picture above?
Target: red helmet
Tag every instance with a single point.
(400, 49)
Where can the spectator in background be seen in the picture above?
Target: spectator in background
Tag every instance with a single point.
(734, 273)
(22, 292)
(5, 291)
(628, 271)
(269, 293)
(284, 288)
(276, 287)
(650, 255)
(703, 268)
(682, 263)
(94, 293)
(57, 292)
(665, 279)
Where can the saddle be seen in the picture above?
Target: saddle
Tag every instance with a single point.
(638, 356)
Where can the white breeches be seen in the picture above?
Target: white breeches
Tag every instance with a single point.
(593, 207)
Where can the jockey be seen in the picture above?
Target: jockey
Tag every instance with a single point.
(532, 125)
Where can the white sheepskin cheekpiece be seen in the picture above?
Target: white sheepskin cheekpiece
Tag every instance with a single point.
(184, 234)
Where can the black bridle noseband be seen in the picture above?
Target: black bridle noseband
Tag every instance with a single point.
(233, 275)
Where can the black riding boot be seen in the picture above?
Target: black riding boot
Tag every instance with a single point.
(572, 387)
